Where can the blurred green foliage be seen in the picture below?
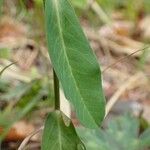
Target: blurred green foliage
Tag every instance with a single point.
(1, 4)
(4, 53)
(34, 15)
(19, 100)
(79, 3)
(121, 134)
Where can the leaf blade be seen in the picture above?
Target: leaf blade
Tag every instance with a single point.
(58, 136)
(74, 62)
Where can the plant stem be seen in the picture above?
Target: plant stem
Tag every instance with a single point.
(56, 91)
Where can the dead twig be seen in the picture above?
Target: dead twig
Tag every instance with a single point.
(123, 58)
(1, 72)
(121, 90)
(27, 139)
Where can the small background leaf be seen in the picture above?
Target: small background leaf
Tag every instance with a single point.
(121, 134)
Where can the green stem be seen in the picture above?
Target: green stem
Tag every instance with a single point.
(56, 91)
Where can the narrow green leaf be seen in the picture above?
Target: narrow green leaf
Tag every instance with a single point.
(58, 136)
(74, 62)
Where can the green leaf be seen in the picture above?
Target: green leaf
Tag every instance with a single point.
(74, 62)
(58, 136)
(121, 134)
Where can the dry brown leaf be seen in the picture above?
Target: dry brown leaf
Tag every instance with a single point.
(11, 28)
(19, 131)
(144, 26)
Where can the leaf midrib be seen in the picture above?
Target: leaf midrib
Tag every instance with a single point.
(59, 134)
(56, 4)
